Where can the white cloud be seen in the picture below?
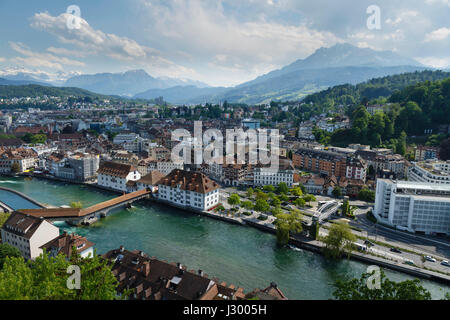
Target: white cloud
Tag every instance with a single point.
(402, 17)
(437, 35)
(444, 2)
(36, 59)
(434, 62)
(96, 42)
(67, 52)
(2, 59)
(208, 32)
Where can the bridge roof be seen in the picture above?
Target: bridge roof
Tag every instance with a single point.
(73, 213)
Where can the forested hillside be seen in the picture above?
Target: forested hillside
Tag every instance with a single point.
(380, 87)
(411, 111)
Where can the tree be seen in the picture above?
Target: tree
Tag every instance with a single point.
(234, 200)
(7, 250)
(269, 188)
(297, 191)
(309, 197)
(248, 205)
(345, 207)
(250, 192)
(299, 202)
(276, 202)
(444, 151)
(76, 205)
(261, 195)
(283, 188)
(287, 223)
(3, 218)
(339, 240)
(46, 279)
(337, 192)
(15, 167)
(366, 195)
(357, 289)
(262, 205)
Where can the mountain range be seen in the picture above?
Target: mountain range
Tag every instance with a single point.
(326, 67)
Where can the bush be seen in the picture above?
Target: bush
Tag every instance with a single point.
(262, 217)
(246, 213)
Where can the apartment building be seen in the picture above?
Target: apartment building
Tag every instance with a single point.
(187, 189)
(320, 161)
(356, 169)
(19, 159)
(413, 206)
(28, 234)
(423, 153)
(430, 171)
(85, 166)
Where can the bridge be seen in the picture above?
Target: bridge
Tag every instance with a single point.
(88, 215)
(326, 210)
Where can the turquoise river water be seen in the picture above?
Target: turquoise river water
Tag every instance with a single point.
(238, 255)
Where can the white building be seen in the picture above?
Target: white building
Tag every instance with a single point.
(430, 171)
(356, 169)
(266, 175)
(113, 175)
(28, 234)
(191, 190)
(413, 206)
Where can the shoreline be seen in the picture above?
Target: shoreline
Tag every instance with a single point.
(310, 245)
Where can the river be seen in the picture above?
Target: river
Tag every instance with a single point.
(238, 255)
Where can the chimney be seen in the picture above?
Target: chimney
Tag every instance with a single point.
(141, 253)
(146, 268)
(121, 249)
(179, 266)
(273, 285)
(200, 273)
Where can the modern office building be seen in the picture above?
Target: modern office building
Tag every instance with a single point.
(413, 206)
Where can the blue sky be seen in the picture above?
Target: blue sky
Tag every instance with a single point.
(218, 42)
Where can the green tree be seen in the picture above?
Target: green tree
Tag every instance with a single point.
(3, 217)
(276, 202)
(269, 188)
(262, 205)
(357, 289)
(287, 223)
(76, 205)
(297, 191)
(282, 188)
(337, 192)
(234, 200)
(261, 196)
(248, 205)
(46, 279)
(250, 192)
(7, 250)
(299, 202)
(366, 195)
(339, 240)
(308, 198)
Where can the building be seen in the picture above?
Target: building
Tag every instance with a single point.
(423, 153)
(153, 279)
(85, 166)
(150, 181)
(65, 243)
(321, 161)
(356, 169)
(266, 175)
(18, 160)
(28, 234)
(430, 171)
(113, 175)
(187, 189)
(413, 206)
(250, 124)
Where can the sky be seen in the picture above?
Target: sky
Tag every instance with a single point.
(222, 43)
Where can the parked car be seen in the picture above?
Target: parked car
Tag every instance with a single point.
(431, 259)
(395, 250)
(410, 262)
(369, 243)
(445, 263)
